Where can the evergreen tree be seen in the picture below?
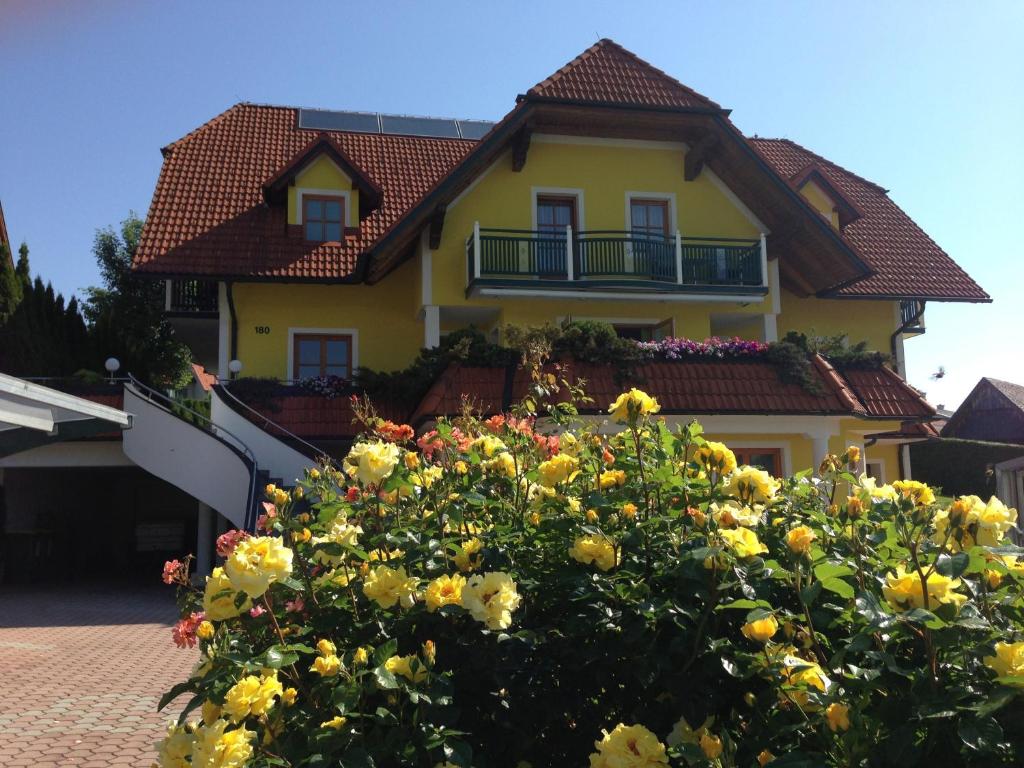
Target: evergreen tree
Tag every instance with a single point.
(126, 315)
(10, 284)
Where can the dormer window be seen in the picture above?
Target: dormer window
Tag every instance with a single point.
(323, 217)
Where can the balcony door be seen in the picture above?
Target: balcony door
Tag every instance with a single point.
(554, 214)
(653, 250)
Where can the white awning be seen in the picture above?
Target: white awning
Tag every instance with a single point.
(28, 406)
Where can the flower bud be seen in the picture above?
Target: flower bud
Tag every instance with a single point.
(854, 507)
(429, 652)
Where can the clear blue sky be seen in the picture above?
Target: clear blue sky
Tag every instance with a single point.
(925, 98)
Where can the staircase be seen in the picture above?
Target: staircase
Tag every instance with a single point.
(204, 460)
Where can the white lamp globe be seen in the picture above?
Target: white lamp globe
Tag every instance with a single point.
(235, 366)
(112, 364)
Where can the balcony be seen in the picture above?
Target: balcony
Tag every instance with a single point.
(614, 264)
(196, 298)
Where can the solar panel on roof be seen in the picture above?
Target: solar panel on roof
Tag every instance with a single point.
(474, 129)
(325, 120)
(372, 122)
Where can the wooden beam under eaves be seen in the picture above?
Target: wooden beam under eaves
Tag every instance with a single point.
(436, 227)
(697, 155)
(520, 146)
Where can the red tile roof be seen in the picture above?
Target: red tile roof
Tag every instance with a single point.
(206, 380)
(885, 395)
(906, 261)
(208, 216)
(606, 73)
(693, 387)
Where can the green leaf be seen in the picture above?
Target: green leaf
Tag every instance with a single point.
(459, 752)
(981, 734)
(175, 692)
(744, 604)
(810, 593)
(385, 679)
(832, 570)
(952, 565)
(385, 652)
(277, 657)
(356, 758)
(838, 586)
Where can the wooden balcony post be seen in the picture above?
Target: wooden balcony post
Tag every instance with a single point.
(568, 251)
(679, 258)
(476, 249)
(764, 261)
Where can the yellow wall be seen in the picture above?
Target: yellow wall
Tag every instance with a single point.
(817, 197)
(504, 199)
(322, 173)
(873, 321)
(390, 334)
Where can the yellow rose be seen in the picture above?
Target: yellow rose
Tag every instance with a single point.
(567, 443)
(591, 515)
(490, 598)
(711, 746)
(875, 492)
(461, 467)
(503, 464)
(557, 469)
(205, 630)
(994, 522)
(403, 665)
(838, 717)
(853, 455)
(487, 446)
(629, 406)
(388, 586)
(251, 696)
(325, 647)
(469, 557)
(715, 457)
(743, 542)
(340, 532)
(761, 630)
(211, 711)
(751, 485)
(174, 749)
(360, 657)
(764, 758)
(326, 666)
(916, 491)
(336, 723)
(731, 514)
(289, 696)
(628, 746)
(444, 590)
(257, 562)
(683, 733)
(903, 590)
(372, 463)
(219, 597)
(799, 539)
(1008, 661)
(612, 478)
(598, 550)
(411, 459)
(800, 677)
(629, 510)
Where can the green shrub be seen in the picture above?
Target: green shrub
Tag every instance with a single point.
(497, 596)
(960, 467)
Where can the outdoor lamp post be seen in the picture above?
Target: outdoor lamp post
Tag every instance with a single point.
(235, 367)
(112, 365)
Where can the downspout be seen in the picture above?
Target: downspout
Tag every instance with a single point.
(892, 339)
(229, 289)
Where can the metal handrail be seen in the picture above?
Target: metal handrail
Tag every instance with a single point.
(152, 395)
(269, 422)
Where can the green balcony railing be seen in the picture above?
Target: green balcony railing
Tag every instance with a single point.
(614, 258)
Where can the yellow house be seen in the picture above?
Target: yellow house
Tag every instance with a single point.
(299, 244)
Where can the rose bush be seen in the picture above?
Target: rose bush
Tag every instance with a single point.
(492, 595)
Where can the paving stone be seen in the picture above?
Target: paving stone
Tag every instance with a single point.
(83, 669)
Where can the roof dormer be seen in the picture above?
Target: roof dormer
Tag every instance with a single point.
(326, 193)
(825, 197)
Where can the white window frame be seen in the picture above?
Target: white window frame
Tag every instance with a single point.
(292, 332)
(344, 193)
(536, 192)
(669, 197)
(881, 466)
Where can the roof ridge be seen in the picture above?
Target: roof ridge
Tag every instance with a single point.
(840, 386)
(824, 161)
(607, 43)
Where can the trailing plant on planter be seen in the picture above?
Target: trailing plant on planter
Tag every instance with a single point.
(509, 593)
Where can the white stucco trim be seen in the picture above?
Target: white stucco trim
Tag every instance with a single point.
(426, 270)
(223, 331)
(343, 193)
(353, 332)
(884, 470)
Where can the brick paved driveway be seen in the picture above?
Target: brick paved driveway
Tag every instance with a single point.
(81, 671)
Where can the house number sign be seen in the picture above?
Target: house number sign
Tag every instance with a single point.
(262, 329)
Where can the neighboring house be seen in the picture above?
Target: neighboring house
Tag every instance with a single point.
(300, 242)
(993, 411)
(4, 239)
